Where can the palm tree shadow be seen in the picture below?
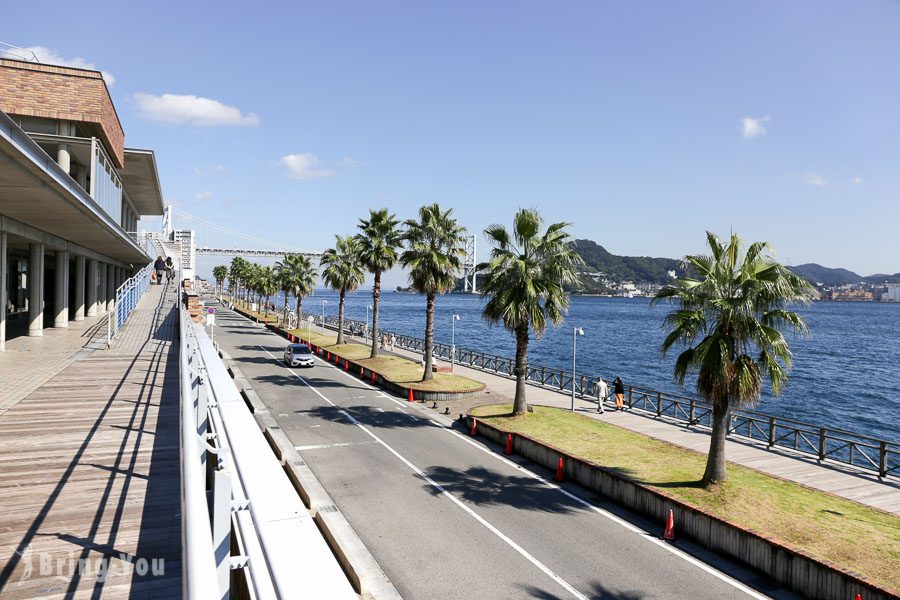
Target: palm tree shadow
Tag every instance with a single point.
(485, 487)
(598, 592)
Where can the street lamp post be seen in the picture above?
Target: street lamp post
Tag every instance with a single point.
(324, 302)
(453, 321)
(576, 331)
(309, 321)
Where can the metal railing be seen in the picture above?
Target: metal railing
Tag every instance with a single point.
(245, 530)
(823, 443)
(126, 299)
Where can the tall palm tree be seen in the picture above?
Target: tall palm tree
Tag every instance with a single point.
(524, 283)
(732, 304)
(435, 247)
(236, 274)
(379, 241)
(267, 284)
(298, 272)
(220, 273)
(343, 272)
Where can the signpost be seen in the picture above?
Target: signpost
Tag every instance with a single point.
(211, 321)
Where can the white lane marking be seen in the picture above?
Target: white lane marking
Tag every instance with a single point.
(335, 445)
(562, 582)
(640, 532)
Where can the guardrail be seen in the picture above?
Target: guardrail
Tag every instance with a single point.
(126, 299)
(245, 531)
(823, 443)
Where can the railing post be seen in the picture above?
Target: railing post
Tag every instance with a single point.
(543, 375)
(630, 396)
(882, 459)
(691, 412)
(821, 443)
(582, 386)
(771, 431)
(658, 404)
(221, 529)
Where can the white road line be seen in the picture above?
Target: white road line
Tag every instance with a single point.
(640, 532)
(546, 570)
(335, 445)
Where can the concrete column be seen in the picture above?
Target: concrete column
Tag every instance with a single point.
(62, 152)
(110, 287)
(79, 288)
(36, 290)
(81, 176)
(61, 303)
(92, 287)
(4, 276)
(101, 288)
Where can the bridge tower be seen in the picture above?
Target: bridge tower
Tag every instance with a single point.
(469, 264)
(167, 225)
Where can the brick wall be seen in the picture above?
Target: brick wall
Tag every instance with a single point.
(55, 92)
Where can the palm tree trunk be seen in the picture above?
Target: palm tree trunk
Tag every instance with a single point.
(376, 296)
(299, 306)
(429, 337)
(267, 306)
(715, 460)
(340, 338)
(520, 406)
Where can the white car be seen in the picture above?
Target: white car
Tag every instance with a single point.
(298, 355)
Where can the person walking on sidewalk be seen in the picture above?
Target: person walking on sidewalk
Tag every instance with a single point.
(393, 341)
(170, 269)
(602, 391)
(160, 267)
(619, 390)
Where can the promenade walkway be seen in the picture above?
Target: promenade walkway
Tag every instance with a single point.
(89, 464)
(830, 477)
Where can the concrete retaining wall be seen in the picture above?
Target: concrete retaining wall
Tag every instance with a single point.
(789, 567)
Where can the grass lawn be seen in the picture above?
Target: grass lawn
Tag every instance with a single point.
(393, 368)
(861, 539)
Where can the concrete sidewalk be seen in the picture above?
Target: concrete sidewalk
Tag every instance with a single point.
(89, 470)
(835, 478)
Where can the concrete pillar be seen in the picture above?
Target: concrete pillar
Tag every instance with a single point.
(81, 176)
(62, 152)
(79, 288)
(110, 287)
(4, 276)
(36, 290)
(101, 288)
(61, 302)
(92, 287)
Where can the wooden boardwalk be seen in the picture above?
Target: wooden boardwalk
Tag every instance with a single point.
(89, 471)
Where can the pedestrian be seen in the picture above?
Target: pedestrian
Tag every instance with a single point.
(383, 341)
(170, 269)
(393, 341)
(159, 266)
(619, 389)
(602, 391)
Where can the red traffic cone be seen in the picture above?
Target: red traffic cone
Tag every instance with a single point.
(559, 470)
(669, 533)
(411, 397)
(859, 597)
(474, 424)
(508, 444)
(373, 376)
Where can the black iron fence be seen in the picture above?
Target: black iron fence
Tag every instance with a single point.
(823, 443)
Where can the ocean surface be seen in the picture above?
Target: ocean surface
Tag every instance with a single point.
(846, 372)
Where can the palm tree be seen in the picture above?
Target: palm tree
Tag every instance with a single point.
(343, 272)
(379, 242)
(297, 271)
(732, 304)
(435, 247)
(267, 284)
(524, 281)
(220, 273)
(237, 273)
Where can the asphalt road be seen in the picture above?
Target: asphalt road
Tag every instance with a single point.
(451, 517)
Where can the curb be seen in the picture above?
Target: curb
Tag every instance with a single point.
(788, 566)
(364, 573)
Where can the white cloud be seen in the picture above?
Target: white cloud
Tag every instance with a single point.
(351, 162)
(52, 57)
(193, 110)
(857, 180)
(752, 127)
(305, 166)
(216, 170)
(203, 196)
(814, 179)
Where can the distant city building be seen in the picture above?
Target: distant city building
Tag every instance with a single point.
(71, 197)
(891, 293)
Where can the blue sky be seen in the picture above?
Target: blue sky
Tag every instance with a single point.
(642, 123)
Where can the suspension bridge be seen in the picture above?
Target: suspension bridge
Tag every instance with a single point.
(185, 236)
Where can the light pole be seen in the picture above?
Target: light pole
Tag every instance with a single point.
(576, 331)
(453, 321)
(324, 302)
(309, 321)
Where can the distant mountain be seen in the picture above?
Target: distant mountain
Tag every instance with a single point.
(815, 273)
(638, 269)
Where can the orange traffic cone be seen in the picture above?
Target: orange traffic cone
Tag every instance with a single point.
(508, 443)
(669, 533)
(559, 470)
(474, 424)
(411, 397)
